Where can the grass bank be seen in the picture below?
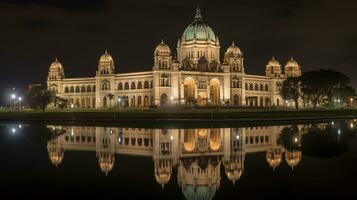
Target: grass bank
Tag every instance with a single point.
(171, 115)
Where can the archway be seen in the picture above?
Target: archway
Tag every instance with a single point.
(189, 90)
(261, 104)
(236, 100)
(215, 92)
(189, 141)
(146, 101)
(215, 139)
(105, 103)
(202, 99)
(163, 100)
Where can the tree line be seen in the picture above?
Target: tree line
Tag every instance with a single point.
(318, 87)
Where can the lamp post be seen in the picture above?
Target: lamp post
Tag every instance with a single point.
(12, 102)
(119, 102)
(20, 100)
(72, 106)
(351, 100)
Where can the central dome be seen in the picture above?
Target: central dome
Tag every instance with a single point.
(198, 30)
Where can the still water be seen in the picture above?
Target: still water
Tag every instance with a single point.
(300, 160)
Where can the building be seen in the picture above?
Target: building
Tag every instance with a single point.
(195, 156)
(196, 75)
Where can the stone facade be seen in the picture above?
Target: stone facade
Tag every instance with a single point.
(196, 76)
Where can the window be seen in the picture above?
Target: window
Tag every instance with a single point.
(261, 87)
(126, 86)
(165, 80)
(256, 87)
(266, 87)
(146, 84)
(251, 86)
(66, 90)
(89, 89)
(140, 85)
(83, 89)
(77, 89)
(133, 86)
(120, 86)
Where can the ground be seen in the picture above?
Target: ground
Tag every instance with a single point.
(188, 115)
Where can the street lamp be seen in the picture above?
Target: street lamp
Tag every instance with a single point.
(351, 100)
(72, 106)
(20, 99)
(119, 100)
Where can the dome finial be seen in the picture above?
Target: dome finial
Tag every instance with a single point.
(273, 57)
(233, 44)
(162, 41)
(56, 60)
(106, 51)
(198, 15)
(292, 58)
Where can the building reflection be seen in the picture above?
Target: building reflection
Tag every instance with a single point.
(197, 154)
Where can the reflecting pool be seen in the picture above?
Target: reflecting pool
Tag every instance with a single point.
(297, 160)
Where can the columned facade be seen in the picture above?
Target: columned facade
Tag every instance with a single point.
(197, 76)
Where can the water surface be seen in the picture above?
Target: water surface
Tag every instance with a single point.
(300, 160)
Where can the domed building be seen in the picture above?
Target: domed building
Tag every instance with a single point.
(192, 75)
(293, 157)
(55, 152)
(106, 161)
(198, 183)
(274, 157)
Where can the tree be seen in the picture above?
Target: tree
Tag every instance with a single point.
(312, 85)
(344, 93)
(291, 90)
(324, 84)
(39, 98)
(334, 82)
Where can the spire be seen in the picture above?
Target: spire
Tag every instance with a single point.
(198, 16)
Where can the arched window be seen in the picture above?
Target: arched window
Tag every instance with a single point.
(120, 86)
(146, 84)
(89, 89)
(140, 85)
(165, 80)
(77, 89)
(266, 87)
(261, 87)
(256, 87)
(139, 100)
(83, 89)
(126, 86)
(277, 102)
(133, 86)
(93, 88)
(105, 85)
(246, 86)
(66, 90)
(251, 87)
(151, 84)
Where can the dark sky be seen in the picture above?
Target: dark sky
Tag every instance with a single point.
(318, 33)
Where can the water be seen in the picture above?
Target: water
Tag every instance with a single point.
(300, 160)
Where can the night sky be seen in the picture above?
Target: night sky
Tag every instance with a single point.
(319, 34)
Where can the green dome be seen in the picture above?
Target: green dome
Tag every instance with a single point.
(198, 30)
(200, 192)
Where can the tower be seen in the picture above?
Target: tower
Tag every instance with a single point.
(292, 69)
(273, 69)
(55, 76)
(234, 58)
